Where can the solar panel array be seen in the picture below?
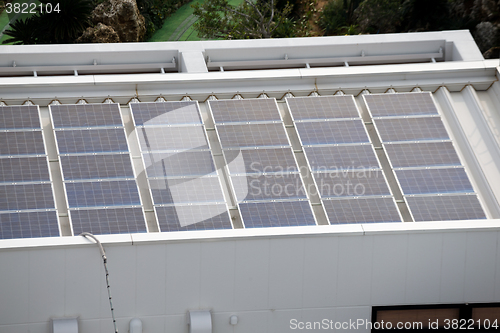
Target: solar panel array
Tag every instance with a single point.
(27, 207)
(101, 190)
(427, 167)
(185, 187)
(341, 157)
(263, 171)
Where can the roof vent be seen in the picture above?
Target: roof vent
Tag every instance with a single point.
(200, 321)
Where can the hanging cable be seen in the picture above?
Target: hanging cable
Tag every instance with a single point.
(104, 260)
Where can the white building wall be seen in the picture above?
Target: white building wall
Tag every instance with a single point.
(266, 279)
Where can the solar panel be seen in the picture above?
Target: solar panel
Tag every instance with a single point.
(322, 107)
(184, 163)
(361, 210)
(276, 214)
(28, 225)
(268, 187)
(332, 132)
(19, 117)
(27, 169)
(252, 135)
(22, 143)
(26, 197)
(169, 138)
(244, 110)
(193, 217)
(425, 181)
(341, 158)
(172, 191)
(108, 221)
(351, 184)
(445, 208)
(260, 160)
(91, 141)
(421, 154)
(400, 104)
(165, 113)
(102, 193)
(85, 115)
(106, 166)
(411, 129)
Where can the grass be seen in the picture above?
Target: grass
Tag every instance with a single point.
(181, 23)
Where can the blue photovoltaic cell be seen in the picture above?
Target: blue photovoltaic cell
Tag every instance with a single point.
(186, 190)
(411, 129)
(172, 138)
(252, 135)
(276, 214)
(445, 208)
(244, 110)
(91, 141)
(332, 132)
(103, 194)
(193, 217)
(166, 113)
(401, 104)
(260, 160)
(341, 158)
(421, 154)
(26, 196)
(361, 210)
(77, 167)
(19, 117)
(86, 115)
(351, 184)
(268, 187)
(184, 163)
(28, 225)
(108, 221)
(26, 169)
(21, 143)
(429, 181)
(322, 107)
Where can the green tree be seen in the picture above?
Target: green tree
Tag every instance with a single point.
(379, 16)
(426, 15)
(22, 32)
(338, 16)
(219, 19)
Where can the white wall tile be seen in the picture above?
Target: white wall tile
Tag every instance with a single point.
(152, 324)
(220, 323)
(88, 326)
(320, 272)
(251, 275)
(46, 284)
(176, 324)
(14, 286)
(280, 320)
(480, 266)
(286, 260)
(151, 277)
(355, 318)
(354, 271)
(84, 283)
(320, 319)
(453, 268)
(217, 275)
(251, 322)
(183, 277)
(43, 327)
(388, 281)
(423, 270)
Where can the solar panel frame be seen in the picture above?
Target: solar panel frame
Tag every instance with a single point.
(373, 109)
(62, 121)
(347, 127)
(264, 159)
(245, 117)
(380, 185)
(34, 146)
(412, 132)
(457, 212)
(292, 204)
(33, 169)
(35, 196)
(365, 206)
(297, 117)
(165, 165)
(409, 154)
(349, 150)
(167, 226)
(126, 170)
(166, 138)
(459, 180)
(138, 120)
(42, 223)
(272, 131)
(81, 141)
(85, 193)
(28, 122)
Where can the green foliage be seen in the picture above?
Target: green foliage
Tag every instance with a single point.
(382, 16)
(338, 16)
(219, 19)
(59, 27)
(425, 15)
(156, 11)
